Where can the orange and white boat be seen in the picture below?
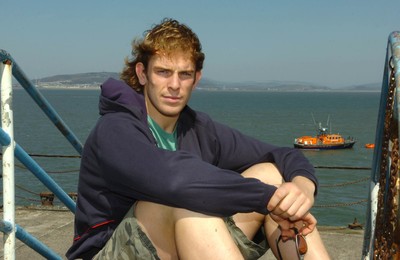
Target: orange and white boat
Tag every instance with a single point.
(324, 140)
(369, 146)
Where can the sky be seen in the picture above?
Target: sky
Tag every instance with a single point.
(335, 43)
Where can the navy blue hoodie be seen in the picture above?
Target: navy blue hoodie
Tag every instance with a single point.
(121, 164)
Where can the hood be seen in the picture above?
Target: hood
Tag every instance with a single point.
(117, 96)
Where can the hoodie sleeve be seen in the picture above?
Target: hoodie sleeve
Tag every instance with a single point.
(134, 167)
(238, 152)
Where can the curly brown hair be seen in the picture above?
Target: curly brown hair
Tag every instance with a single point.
(165, 38)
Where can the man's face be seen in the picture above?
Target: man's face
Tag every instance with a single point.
(168, 84)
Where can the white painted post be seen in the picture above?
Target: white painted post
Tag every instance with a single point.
(8, 158)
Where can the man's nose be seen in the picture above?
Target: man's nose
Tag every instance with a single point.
(175, 81)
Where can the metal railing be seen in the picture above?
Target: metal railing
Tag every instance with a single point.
(8, 69)
(382, 217)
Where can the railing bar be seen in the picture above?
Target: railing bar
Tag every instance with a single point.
(47, 108)
(7, 123)
(29, 240)
(8, 69)
(30, 164)
(42, 102)
(6, 227)
(35, 244)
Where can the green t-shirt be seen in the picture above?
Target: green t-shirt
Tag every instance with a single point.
(164, 140)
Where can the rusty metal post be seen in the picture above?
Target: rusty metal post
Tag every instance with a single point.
(382, 234)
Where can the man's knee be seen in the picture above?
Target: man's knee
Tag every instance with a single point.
(151, 214)
(265, 172)
(181, 213)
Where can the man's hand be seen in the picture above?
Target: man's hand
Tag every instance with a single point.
(290, 205)
(292, 200)
(305, 225)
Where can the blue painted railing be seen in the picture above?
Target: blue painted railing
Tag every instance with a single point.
(29, 240)
(8, 227)
(31, 165)
(20, 76)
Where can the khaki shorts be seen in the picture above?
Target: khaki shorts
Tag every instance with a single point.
(130, 242)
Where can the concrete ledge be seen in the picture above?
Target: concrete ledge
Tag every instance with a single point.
(54, 227)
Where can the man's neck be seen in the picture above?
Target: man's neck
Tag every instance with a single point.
(167, 124)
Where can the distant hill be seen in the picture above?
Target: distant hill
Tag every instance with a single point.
(208, 84)
(365, 87)
(90, 78)
(262, 86)
(95, 79)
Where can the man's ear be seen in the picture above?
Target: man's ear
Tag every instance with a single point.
(197, 78)
(141, 73)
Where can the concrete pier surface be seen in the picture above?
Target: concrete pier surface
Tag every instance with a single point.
(54, 227)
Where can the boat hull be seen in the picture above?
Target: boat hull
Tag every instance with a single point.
(346, 145)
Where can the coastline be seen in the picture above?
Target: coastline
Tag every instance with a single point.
(227, 90)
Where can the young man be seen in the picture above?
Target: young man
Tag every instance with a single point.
(160, 180)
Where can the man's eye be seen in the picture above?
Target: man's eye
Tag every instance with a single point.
(163, 72)
(186, 74)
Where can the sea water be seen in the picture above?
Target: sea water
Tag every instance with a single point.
(274, 117)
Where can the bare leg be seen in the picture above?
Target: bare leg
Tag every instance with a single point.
(157, 222)
(203, 237)
(250, 223)
(182, 234)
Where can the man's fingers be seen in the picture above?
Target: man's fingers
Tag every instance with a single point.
(276, 198)
(289, 202)
(309, 223)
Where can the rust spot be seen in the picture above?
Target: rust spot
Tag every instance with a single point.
(7, 62)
